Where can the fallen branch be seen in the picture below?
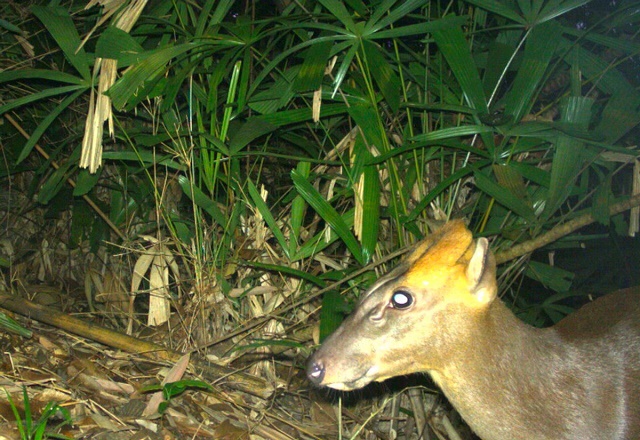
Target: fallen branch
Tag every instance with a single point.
(240, 381)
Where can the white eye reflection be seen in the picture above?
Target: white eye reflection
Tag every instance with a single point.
(401, 299)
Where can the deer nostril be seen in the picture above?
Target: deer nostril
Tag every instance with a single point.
(315, 371)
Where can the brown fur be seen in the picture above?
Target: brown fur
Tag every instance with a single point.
(579, 379)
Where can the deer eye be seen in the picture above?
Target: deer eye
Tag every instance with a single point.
(401, 299)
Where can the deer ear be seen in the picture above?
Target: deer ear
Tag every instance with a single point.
(481, 273)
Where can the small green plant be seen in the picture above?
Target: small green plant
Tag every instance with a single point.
(173, 389)
(37, 429)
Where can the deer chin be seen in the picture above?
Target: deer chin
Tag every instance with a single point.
(369, 376)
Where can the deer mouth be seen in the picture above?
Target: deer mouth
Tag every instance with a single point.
(320, 375)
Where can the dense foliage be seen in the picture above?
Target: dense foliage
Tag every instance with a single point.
(306, 138)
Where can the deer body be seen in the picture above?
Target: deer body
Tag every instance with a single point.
(438, 313)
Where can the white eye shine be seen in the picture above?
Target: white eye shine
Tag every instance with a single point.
(401, 299)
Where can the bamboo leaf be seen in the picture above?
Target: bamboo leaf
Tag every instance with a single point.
(454, 47)
(60, 25)
(541, 45)
(320, 241)
(49, 75)
(552, 9)
(312, 70)
(328, 214)
(505, 197)
(452, 133)
(290, 117)
(620, 114)
(298, 208)
(570, 153)
(264, 211)
(439, 188)
(145, 71)
(302, 274)
(201, 200)
(386, 79)
(46, 122)
(501, 8)
(86, 181)
(370, 212)
(276, 95)
(249, 131)
(119, 45)
(334, 309)
(552, 277)
(339, 11)
(40, 95)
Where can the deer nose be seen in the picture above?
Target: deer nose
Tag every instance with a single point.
(315, 371)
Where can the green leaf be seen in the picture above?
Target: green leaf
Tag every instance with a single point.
(334, 308)
(338, 10)
(382, 17)
(145, 158)
(49, 75)
(303, 275)
(551, 277)
(366, 117)
(439, 188)
(552, 10)
(601, 202)
(596, 70)
(38, 96)
(202, 201)
(509, 177)
(498, 59)
(542, 43)
(60, 25)
(621, 114)
(421, 28)
(250, 130)
(453, 45)
(16, 415)
(145, 71)
(370, 211)
(290, 117)
(328, 214)
(119, 45)
(313, 67)
(8, 324)
(86, 181)
(173, 389)
(505, 197)
(298, 209)
(452, 133)
(46, 122)
(4, 24)
(56, 181)
(320, 241)
(276, 95)
(570, 153)
(501, 8)
(346, 64)
(384, 76)
(264, 211)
